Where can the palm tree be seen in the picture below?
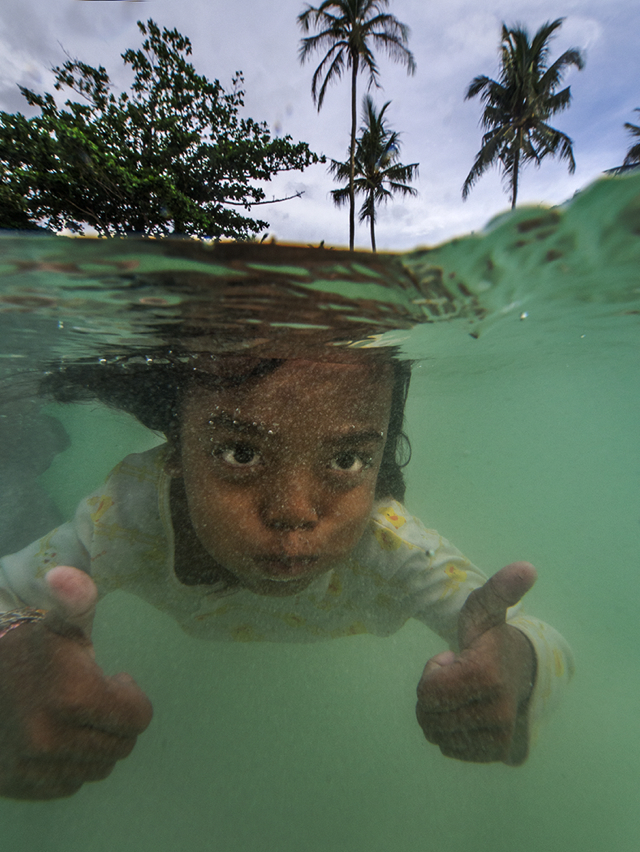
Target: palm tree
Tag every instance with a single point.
(378, 174)
(518, 105)
(633, 154)
(351, 29)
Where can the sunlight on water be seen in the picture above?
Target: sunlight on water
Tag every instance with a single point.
(523, 418)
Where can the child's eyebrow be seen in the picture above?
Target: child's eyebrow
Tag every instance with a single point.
(227, 421)
(367, 436)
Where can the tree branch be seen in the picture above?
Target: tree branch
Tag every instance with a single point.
(249, 204)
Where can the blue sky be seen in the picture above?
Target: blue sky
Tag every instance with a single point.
(452, 41)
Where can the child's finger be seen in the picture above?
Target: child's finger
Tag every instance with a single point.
(439, 662)
(117, 708)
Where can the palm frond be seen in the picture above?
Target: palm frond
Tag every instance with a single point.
(492, 149)
(340, 196)
(632, 157)
(633, 129)
(334, 72)
(478, 85)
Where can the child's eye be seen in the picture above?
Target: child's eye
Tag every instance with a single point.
(350, 462)
(238, 455)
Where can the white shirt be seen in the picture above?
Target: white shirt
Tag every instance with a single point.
(122, 535)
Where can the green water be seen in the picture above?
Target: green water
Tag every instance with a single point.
(525, 446)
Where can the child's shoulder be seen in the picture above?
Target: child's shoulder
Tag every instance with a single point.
(393, 526)
(148, 466)
(131, 490)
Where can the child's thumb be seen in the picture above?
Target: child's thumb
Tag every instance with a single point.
(487, 606)
(73, 601)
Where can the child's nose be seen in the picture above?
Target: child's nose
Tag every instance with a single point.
(290, 501)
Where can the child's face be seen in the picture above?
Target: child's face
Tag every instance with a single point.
(280, 474)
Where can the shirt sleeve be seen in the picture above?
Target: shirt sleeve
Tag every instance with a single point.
(22, 574)
(115, 530)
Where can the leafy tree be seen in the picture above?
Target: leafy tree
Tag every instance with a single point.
(378, 173)
(633, 154)
(519, 103)
(15, 140)
(351, 29)
(172, 155)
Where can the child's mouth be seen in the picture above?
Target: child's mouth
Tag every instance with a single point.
(285, 568)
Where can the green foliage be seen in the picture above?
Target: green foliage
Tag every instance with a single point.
(350, 30)
(379, 174)
(172, 155)
(16, 139)
(518, 105)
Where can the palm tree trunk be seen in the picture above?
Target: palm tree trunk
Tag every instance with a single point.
(352, 155)
(516, 169)
(372, 224)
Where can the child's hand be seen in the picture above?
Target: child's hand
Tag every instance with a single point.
(473, 704)
(62, 721)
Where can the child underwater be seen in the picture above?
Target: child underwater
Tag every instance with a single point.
(273, 512)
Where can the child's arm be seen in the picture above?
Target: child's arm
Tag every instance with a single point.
(506, 670)
(62, 721)
(474, 704)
